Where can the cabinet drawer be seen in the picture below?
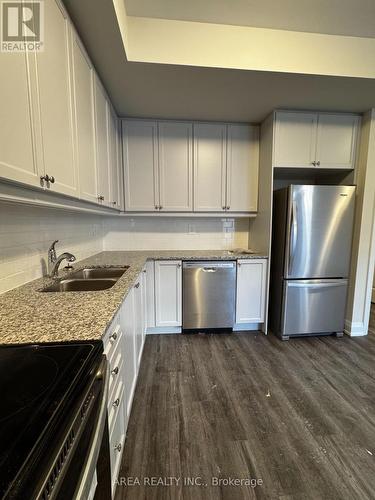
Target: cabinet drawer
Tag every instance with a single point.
(115, 371)
(115, 405)
(116, 446)
(112, 338)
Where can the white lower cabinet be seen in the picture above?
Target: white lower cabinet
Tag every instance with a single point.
(251, 290)
(168, 293)
(123, 345)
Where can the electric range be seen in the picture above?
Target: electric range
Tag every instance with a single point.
(40, 386)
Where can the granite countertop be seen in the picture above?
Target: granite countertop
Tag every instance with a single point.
(28, 316)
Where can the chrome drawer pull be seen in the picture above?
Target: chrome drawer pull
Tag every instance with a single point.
(115, 371)
(113, 336)
(116, 403)
(118, 447)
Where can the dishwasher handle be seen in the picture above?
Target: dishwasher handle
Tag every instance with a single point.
(209, 266)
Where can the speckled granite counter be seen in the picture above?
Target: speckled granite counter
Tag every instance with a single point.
(28, 316)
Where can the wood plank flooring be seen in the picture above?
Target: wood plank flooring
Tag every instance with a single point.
(372, 319)
(297, 416)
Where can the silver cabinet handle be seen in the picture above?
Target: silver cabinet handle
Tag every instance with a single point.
(228, 208)
(115, 371)
(156, 207)
(100, 197)
(116, 403)
(118, 447)
(145, 271)
(318, 163)
(313, 163)
(223, 208)
(114, 202)
(178, 265)
(113, 336)
(47, 178)
(137, 285)
(160, 207)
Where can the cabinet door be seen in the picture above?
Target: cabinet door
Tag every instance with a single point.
(139, 319)
(83, 77)
(209, 167)
(120, 166)
(18, 159)
(242, 168)
(176, 166)
(295, 139)
(251, 290)
(336, 140)
(102, 153)
(113, 159)
(168, 297)
(128, 345)
(141, 166)
(56, 101)
(150, 294)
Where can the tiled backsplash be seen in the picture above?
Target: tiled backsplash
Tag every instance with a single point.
(184, 233)
(27, 232)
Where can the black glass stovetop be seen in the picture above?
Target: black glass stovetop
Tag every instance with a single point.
(35, 382)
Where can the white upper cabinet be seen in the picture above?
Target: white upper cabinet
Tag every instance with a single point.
(83, 76)
(251, 290)
(114, 171)
(120, 164)
(168, 293)
(209, 167)
(56, 101)
(308, 140)
(295, 139)
(140, 166)
(18, 159)
(336, 140)
(242, 168)
(176, 166)
(102, 146)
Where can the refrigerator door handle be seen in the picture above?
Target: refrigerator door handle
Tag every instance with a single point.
(293, 234)
(321, 284)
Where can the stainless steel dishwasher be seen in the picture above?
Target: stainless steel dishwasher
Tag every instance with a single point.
(209, 294)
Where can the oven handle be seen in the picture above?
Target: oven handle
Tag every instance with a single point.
(87, 477)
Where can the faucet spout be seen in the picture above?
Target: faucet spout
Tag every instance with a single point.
(54, 261)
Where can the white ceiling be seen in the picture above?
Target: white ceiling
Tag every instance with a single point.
(335, 17)
(186, 92)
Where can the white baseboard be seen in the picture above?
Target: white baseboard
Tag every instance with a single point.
(355, 329)
(238, 327)
(156, 330)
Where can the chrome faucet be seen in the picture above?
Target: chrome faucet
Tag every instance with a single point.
(54, 261)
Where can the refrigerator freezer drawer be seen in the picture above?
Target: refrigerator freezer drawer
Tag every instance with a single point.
(314, 306)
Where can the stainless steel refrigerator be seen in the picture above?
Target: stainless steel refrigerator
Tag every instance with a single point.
(311, 248)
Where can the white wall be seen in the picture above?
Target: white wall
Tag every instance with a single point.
(27, 232)
(363, 250)
(168, 233)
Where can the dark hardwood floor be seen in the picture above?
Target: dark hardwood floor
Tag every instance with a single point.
(372, 319)
(298, 416)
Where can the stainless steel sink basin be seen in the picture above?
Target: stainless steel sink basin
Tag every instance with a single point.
(99, 273)
(80, 285)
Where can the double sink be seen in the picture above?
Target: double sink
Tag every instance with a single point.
(88, 280)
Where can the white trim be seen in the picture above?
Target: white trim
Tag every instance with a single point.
(247, 327)
(355, 329)
(157, 330)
